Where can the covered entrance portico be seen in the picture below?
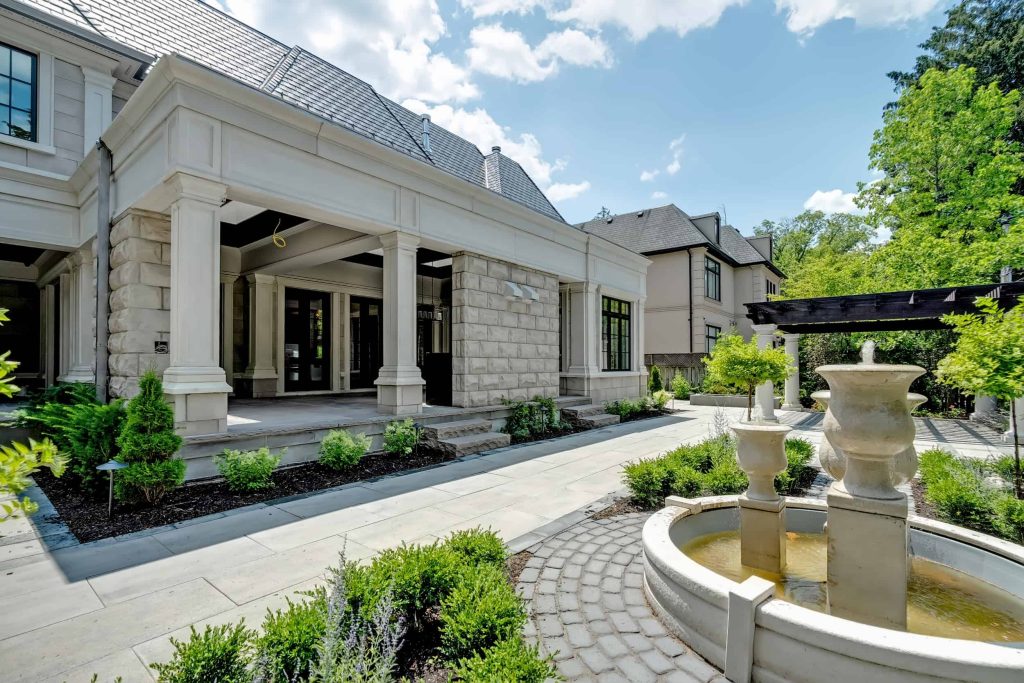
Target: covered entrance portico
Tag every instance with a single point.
(272, 254)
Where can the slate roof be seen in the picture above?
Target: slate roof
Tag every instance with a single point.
(668, 228)
(211, 38)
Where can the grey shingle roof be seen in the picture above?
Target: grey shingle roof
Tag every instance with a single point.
(213, 39)
(665, 228)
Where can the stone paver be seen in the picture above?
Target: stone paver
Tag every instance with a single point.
(616, 635)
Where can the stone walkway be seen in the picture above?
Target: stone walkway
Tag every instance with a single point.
(588, 609)
(108, 607)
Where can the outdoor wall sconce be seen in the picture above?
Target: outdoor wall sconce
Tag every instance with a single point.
(530, 293)
(110, 467)
(511, 290)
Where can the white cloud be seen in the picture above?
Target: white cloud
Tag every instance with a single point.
(659, 195)
(648, 176)
(676, 148)
(481, 129)
(642, 17)
(488, 8)
(562, 191)
(804, 16)
(497, 51)
(831, 201)
(389, 43)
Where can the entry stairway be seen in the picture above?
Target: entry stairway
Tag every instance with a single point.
(589, 416)
(463, 437)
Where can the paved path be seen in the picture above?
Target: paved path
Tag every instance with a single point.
(588, 609)
(108, 607)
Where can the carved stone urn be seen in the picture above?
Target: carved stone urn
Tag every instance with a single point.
(868, 421)
(833, 461)
(761, 451)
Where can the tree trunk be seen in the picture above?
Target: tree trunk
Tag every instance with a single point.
(750, 402)
(1018, 484)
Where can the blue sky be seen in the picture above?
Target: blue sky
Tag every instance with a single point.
(764, 107)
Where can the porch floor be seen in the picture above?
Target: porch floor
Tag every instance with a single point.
(247, 415)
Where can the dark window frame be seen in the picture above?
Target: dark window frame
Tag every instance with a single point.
(712, 274)
(7, 51)
(770, 289)
(616, 334)
(711, 339)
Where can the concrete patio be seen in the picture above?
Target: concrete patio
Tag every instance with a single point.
(108, 607)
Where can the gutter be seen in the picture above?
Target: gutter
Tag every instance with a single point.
(689, 293)
(102, 267)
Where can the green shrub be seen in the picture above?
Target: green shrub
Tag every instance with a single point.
(509, 660)
(220, 653)
(247, 470)
(400, 437)
(44, 411)
(481, 611)
(798, 453)
(649, 481)
(531, 418)
(654, 381)
(340, 450)
(660, 399)
(1009, 521)
(681, 386)
(88, 436)
(290, 639)
(148, 444)
(148, 481)
(417, 577)
(476, 547)
(626, 408)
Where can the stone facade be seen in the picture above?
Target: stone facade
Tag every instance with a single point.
(505, 342)
(140, 300)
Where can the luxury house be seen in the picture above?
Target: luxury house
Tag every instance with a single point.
(265, 224)
(702, 273)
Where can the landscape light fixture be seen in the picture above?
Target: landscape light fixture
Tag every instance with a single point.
(110, 467)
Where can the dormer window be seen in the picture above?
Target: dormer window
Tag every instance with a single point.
(18, 84)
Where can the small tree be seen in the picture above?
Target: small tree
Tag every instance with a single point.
(18, 461)
(654, 382)
(988, 358)
(148, 444)
(741, 364)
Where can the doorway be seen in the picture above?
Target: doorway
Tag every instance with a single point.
(307, 340)
(367, 341)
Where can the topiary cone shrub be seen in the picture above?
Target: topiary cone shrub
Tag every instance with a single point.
(148, 444)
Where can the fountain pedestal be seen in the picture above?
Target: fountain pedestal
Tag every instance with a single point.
(761, 452)
(868, 423)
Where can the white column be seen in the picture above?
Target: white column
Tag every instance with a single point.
(227, 326)
(98, 106)
(584, 329)
(1019, 427)
(67, 309)
(80, 332)
(638, 343)
(50, 332)
(764, 408)
(792, 394)
(346, 348)
(261, 371)
(984, 406)
(195, 380)
(399, 384)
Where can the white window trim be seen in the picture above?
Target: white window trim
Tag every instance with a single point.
(44, 104)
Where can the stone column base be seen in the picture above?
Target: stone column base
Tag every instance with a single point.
(867, 559)
(400, 391)
(200, 399)
(763, 534)
(255, 387)
(79, 373)
(792, 406)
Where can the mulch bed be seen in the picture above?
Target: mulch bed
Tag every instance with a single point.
(516, 564)
(86, 515)
(621, 506)
(920, 503)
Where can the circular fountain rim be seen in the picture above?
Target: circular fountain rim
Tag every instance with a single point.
(828, 631)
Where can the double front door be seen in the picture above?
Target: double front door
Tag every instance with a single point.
(307, 340)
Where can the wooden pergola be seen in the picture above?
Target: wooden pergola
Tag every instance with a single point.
(920, 309)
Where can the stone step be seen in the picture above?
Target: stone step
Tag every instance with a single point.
(583, 410)
(589, 416)
(473, 443)
(600, 420)
(448, 430)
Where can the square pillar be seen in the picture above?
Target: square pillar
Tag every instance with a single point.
(194, 382)
(399, 384)
(792, 393)
(50, 334)
(227, 326)
(80, 317)
(67, 308)
(764, 397)
(984, 407)
(1019, 427)
(261, 373)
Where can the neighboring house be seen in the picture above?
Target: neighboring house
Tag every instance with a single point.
(278, 228)
(702, 272)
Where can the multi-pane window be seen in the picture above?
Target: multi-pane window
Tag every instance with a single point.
(711, 335)
(17, 93)
(771, 288)
(712, 279)
(615, 334)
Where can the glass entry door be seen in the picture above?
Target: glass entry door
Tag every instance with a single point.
(367, 341)
(307, 340)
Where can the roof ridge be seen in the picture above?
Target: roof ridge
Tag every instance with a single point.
(280, 69)
(384, 103)
(534, 183)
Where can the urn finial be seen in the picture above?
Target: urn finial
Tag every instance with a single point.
(867, 352)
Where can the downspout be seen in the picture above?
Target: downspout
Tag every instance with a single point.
(689, 293)
(102, 267)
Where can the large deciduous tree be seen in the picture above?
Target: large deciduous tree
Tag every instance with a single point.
(946, 193)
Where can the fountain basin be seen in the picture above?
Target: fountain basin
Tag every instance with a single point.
(790, 643)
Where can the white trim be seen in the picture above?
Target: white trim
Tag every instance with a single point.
(97, 105)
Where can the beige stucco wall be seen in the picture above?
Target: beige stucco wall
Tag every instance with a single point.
(667, 314)
(501, 347)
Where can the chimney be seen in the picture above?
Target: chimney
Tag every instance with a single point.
(425, 119)
(495, 150)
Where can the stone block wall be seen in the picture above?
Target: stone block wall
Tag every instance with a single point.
(140, 298)
(501, 347)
